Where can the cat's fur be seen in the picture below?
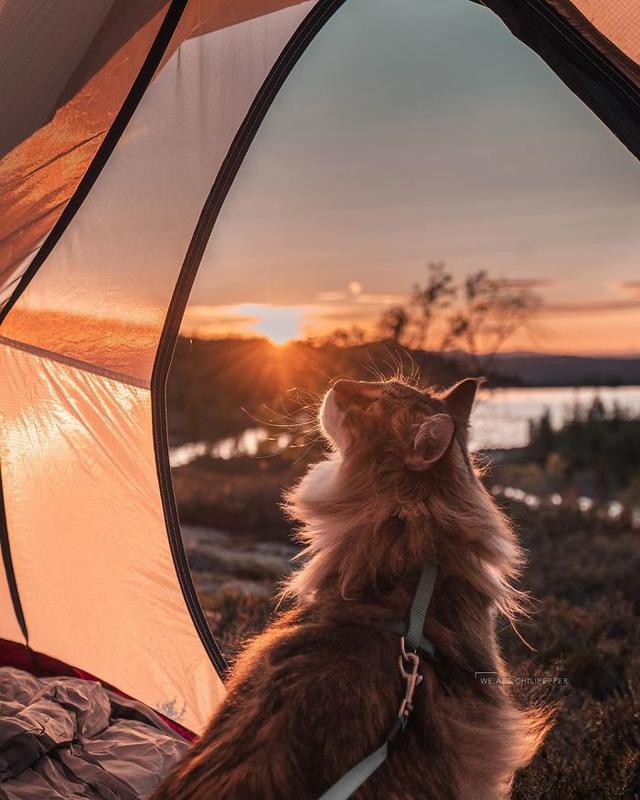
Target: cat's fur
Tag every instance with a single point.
(319, 689)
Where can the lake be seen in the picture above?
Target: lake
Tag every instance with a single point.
(500, 420)
(501, 416)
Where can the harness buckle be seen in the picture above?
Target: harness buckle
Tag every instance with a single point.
(411, 676)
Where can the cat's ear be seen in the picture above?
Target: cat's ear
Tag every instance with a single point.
(460, 397)
(431, 442)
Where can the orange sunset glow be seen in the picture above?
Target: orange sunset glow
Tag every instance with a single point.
(580, 330)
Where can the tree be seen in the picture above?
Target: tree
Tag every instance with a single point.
(479, 316)
(393, 323)
(345, 337)
(429, 301)
(492, 311)
(455, 329)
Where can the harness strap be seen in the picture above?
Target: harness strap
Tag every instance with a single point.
(352, 780)
(420, 605)
(401, 629)
(413, 635)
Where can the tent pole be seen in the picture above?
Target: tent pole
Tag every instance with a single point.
(9, 571)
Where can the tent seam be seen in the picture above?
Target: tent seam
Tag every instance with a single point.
(99, 161)
(591, 74)
(580, 43)
(76, 363)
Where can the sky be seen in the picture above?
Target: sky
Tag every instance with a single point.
(417, 131)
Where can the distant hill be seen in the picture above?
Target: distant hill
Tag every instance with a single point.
(538, 369)
(220, 387)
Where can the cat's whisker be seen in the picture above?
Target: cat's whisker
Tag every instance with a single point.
(374, 372)
(280, 415)
(395, 366)
(308, 450)
(317, 396)
(269, 423)
(373, 368)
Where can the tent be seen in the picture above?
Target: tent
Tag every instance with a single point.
(168, 95)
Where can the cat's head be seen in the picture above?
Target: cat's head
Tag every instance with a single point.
(396, 426)
(398, 488)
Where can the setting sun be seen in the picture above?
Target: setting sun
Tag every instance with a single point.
(279, 324)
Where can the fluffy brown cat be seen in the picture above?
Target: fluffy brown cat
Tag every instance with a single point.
(319, 689)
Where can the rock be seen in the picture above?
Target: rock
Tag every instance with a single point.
(213, 551)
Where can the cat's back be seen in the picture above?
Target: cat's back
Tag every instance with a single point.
(308, 698)
(314, 661)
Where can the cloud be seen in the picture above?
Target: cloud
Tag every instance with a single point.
(345, 313)
(591, 307)
(215, 315)
(528, 283)
(369, 298)
(380, 299)
(629, 302)
(330, 297)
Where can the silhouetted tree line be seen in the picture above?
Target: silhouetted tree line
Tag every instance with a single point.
(600, 445)
(221, 387)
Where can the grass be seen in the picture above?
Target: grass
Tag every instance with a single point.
(583, 571)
